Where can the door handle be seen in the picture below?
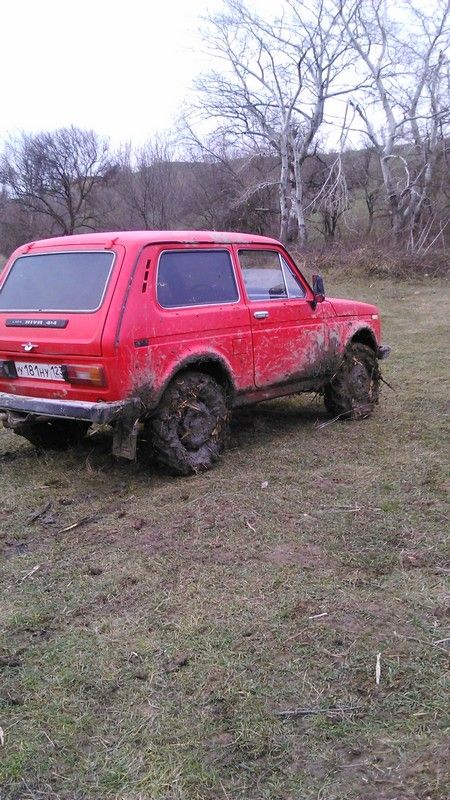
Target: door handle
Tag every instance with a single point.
(260, 314)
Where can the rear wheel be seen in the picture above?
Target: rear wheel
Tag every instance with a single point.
(53, 434)
(189, 427)
(353, 390)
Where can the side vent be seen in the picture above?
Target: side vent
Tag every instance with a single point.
(146, 274)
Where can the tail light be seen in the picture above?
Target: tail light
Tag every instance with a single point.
(87, 375)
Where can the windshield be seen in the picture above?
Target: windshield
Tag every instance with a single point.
(57, 282)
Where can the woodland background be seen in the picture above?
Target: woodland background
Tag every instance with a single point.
(327, 127)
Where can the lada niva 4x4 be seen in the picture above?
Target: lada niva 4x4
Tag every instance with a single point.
(164, 332)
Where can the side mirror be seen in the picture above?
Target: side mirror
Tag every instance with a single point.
(318, 288)
(277, 291)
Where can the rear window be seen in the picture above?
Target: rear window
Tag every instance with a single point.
(196, 277)
(57, 282)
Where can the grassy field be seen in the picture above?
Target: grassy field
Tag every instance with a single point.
(217, 637)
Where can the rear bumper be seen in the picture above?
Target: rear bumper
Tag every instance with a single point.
(70, 409)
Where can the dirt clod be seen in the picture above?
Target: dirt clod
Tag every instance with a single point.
(141, 676)
(10, 661)
(177, 663)
(11, 699)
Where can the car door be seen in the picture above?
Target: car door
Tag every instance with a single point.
(288, 332)
(185, 305)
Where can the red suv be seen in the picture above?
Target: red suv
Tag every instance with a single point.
(166, 331)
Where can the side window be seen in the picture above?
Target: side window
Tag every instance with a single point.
(263, 275)
(294, 286)
(195, 277)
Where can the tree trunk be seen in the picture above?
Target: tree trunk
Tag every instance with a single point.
(284, 194)
(302, 233)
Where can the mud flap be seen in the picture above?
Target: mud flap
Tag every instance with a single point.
(125, 439)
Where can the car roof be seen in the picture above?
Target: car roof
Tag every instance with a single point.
(110, 238)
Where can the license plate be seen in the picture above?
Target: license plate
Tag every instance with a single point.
(44, 372)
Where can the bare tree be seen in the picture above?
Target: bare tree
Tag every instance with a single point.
(231, 187)
(149, 184)
(372, 183)
(54, 175)
(405, 104)
(330, 197)
(272, 93)
(365, 182)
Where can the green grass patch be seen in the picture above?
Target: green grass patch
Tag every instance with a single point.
(160, 650)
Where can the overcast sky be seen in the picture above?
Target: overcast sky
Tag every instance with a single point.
(121, 67)
(124, 68)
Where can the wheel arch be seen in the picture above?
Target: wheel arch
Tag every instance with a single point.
(364, 336)
(209, 364)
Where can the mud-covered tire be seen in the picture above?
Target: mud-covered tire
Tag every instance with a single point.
(188, 430)
(353, 391)
(53, 434)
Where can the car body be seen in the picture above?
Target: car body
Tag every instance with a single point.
(96, 327)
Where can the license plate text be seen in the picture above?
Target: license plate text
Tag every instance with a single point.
(45, 372)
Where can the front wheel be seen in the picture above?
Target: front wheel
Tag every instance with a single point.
(189, 427)
(353, 391)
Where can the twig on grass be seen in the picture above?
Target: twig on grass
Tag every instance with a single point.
(320, 425)
(105, 511)
(30, 573)
(307, 712)
(36, 514)
(436, 646)
(227, 796)
(383, 380)
(80, 522)
(338, 509)
(295, 636)
(423, 641)
(48, 737)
